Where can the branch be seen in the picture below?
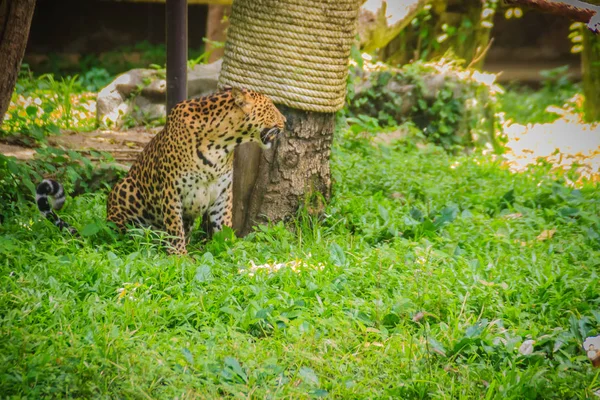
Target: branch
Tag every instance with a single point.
(482, 54)
(574, 9)
(387, 19)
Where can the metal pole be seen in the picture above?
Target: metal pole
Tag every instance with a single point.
(177, 48)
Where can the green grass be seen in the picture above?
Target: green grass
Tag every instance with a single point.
(422, 281)
(526, 105)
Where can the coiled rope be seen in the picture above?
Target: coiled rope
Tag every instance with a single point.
(294, 51)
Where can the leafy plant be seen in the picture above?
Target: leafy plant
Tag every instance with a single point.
(114, 62)
(525, 105)
(427, 277)
(76, 172)
(95, 79)
(42, 106)
(458, 112)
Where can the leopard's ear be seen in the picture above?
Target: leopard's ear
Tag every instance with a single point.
(242, 100)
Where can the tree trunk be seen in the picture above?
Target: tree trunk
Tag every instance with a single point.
(216, 28)
(295, 172)
(590, 63)
(15, 20)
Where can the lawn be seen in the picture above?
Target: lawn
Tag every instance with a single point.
(431, 275)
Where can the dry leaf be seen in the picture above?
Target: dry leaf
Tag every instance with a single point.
(513, 216)
(527, 347)
(592, 347)
(547, 234)
(418, 316)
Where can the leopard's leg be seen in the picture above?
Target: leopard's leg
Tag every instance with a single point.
(188, 226)
(172, 210)
(220, 212)
(125, 205)
(116, 205)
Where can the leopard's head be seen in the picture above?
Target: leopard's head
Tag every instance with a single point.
(265, 121)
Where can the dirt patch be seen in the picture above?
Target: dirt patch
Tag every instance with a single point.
(123, 145)
(388, 138)
(19, 152)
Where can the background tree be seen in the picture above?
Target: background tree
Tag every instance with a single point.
(15, 21)
(459, 26)
(217, 22)
(589, 13)
(590, 65)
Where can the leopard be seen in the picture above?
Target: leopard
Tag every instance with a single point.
(186, 170)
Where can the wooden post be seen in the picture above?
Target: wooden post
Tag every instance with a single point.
(176, 15)
(216, 27)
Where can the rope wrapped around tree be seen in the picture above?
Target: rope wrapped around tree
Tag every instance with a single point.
(294, 51)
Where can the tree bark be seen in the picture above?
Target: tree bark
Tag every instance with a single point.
(216, 29)
(294, 173)
(15, 21)
(590, 63)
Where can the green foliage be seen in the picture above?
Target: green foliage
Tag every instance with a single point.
(75, 171)
(527, 105)
(95, 79)
(113, 62)
(440, 119)
(453, 114)
(424, 279)
(443, 30)
(201, 57)
(64, 98)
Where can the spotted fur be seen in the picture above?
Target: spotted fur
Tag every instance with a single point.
(187, 169)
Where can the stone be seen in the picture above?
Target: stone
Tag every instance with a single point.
(203, 79)
(141, 94)
(144, 109)
(112, 103)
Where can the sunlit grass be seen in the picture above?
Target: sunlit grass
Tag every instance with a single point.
(39, 109)
(568, 145)
(430, 276)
